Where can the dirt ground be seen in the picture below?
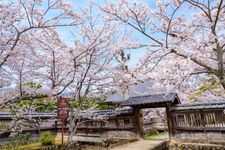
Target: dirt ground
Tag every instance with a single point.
(139, 145)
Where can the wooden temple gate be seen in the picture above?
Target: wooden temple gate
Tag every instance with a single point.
(202, 122)
(152, 101)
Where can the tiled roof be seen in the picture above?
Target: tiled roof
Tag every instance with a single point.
(200, 106)
(103, 113)
(83, 114)
(151, 99)
(8, 115)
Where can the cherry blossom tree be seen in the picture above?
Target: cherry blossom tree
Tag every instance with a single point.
(20, 17)
(91, 55)
(50, 63)
(20, 22)
(185, 37)
(85, 67)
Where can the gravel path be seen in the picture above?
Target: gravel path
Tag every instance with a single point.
(139, 145)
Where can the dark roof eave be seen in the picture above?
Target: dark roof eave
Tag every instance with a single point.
(156, 100)
(152, 105)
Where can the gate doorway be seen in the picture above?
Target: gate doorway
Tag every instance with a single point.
(154, 120)
(152, 101)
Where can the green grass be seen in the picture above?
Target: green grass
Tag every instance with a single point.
(34, 145)
(155, 136)
(31, 146)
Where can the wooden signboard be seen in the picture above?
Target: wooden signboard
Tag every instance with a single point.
(62, 109)
(62, 112)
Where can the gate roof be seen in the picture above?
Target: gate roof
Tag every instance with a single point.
(151, 101)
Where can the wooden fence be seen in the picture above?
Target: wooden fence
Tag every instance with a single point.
(199, 122)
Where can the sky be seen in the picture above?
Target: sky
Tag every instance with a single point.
(136, 54)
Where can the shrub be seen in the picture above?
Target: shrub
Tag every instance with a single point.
(25, 136)
(17, 140)
(47, 138)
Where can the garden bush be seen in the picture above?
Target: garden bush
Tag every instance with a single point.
(25, 136)
(47, 138)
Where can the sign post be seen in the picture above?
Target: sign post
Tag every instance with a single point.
(62, 112)
(62, 130)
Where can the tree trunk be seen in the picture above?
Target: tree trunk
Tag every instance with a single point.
(71, 127)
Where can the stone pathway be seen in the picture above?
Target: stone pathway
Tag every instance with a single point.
(139, 145)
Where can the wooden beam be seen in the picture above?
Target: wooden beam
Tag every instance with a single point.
(138, 123)
(149, 105)
(213, 129)
(196, 110)
(169, 120)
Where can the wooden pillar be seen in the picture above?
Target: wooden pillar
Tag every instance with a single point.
(138, 122)
(169, 120)
(56, 123)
